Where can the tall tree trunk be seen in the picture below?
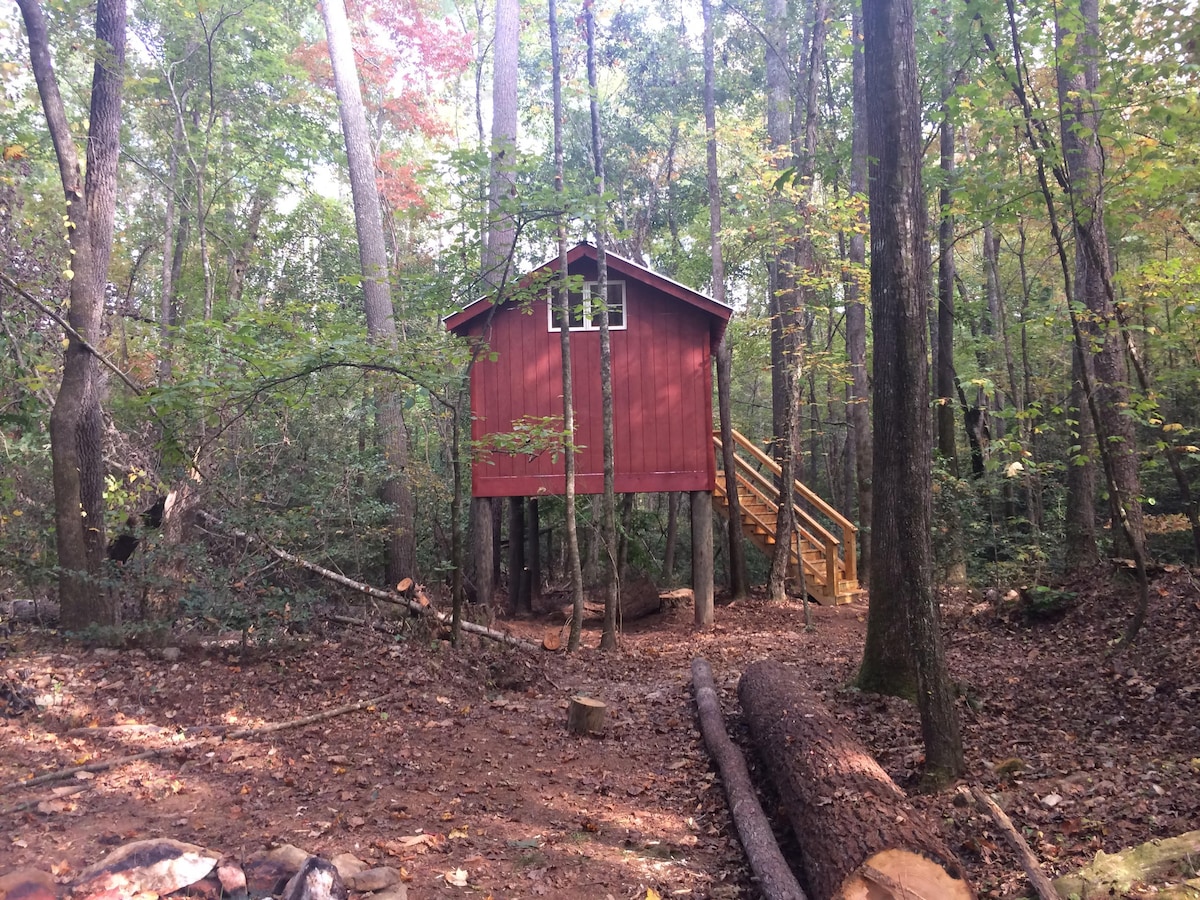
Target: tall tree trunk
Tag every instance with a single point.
(574, 566)
(608, 508)
(856, 311)
(954, 552)
(501, 230)
(392, 433)
(1077, 39)
(903, 604)
(171, 254)
(76, 426)
(785, 336)
(944, 357)
(738, 579)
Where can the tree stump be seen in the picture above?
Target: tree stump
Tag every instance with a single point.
(585, 715)
(860, 838)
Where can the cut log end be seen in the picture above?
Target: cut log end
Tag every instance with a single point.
(585, 715)
(903, 875)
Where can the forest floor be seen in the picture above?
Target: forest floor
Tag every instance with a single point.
(468, 775)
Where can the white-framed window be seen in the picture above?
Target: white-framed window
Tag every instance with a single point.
(585, 308)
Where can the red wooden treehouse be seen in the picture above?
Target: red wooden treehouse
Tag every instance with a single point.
(663, 338)
(663, 335)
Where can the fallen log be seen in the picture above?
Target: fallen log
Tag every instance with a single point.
(775, 879)
(415, 605)
(1162, 862)
(859, 836)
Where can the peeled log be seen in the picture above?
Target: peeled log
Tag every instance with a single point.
(585, 715)
(859, 837)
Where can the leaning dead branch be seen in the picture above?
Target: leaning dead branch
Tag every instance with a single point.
(1033, 871)
(216, 525)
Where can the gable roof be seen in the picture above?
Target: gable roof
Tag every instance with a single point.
(457, 322)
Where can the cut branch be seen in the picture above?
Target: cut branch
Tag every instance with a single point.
(415, 606)
(1033, 871)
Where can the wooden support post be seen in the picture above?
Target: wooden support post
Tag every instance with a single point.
(702, 558)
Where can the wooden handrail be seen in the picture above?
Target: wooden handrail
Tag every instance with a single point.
(849, 541)
(801, 488)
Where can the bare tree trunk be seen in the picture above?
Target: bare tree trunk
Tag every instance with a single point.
(392, 433)
(738, 580)
(944, 369)
(516, 557)
(903, 603)
(779, 267)
(955, 555)
(501, 231)
(240, 259)
(76, 430)
(166, 315)
(608, 509)
(782, 303)
(672, 537)
(1077, 37)
(574, 567)
(856, 312)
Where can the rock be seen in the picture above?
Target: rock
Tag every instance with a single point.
(316, 880)
(172, 654)
(159, 866)
(371, 880)
(347, 864)
(395, 892)
(289, 855)
(207, 888)
(28, 884)
(267, 876)
(231, 876)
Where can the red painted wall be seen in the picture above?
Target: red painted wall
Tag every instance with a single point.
(662, 396)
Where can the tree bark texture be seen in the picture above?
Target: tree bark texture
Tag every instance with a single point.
(944, 355)
(574, 566)
(76, 426)
(608, 502)
(738, 578)
(859, 412)
(859, 836)
(501, 227)
(775, 879)
(1077, 39)
(904, 644)
(779, 267)
(392, 433)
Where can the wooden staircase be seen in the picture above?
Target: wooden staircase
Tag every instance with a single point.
(828, 560)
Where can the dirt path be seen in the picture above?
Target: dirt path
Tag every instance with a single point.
(472, 768)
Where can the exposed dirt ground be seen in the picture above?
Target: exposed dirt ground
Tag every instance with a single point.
(470, 766)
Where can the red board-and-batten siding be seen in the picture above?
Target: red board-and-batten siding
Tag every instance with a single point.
(662, 387)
